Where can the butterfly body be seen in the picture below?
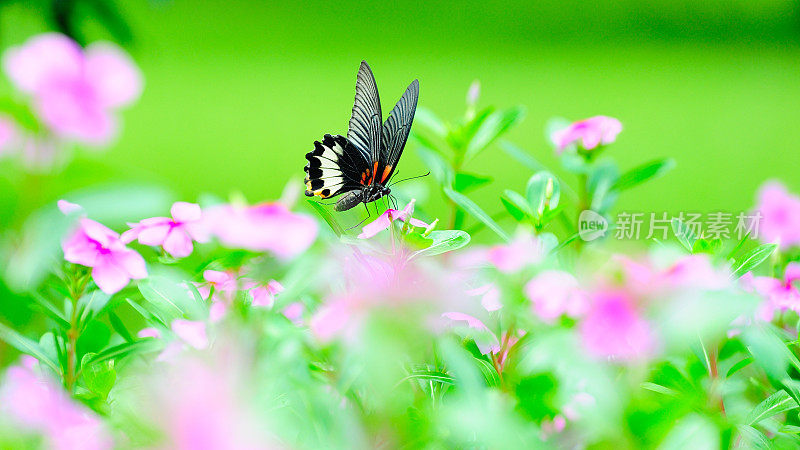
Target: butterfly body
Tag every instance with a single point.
(360, 165)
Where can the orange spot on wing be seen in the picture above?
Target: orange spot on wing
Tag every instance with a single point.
(386, 173)
(374, 170)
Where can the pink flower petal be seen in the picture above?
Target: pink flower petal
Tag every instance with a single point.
(153, 235)
(178, 243)
(132, 262)
(191, 332)
(109, 276)
(67, 207)
(149, 332)
(41, 57)
(113, 74)
(185, 212)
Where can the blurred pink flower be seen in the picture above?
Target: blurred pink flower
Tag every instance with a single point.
(554, 293)
(486, 341)
(149, 333)
(490, 296)
(113, 264)
(613, 328)
(294, 312)
(263, 294)
(589, 133)
(174, 234)
(191, 332)
(75, 92)
(9, 135)
(38, 404)
(692, 272)
(780, 215)
(777, 294)
(264, 227)
(524, 250)
(383, 222)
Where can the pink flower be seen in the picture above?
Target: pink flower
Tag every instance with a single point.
(174, 234)
(113, 264)
(692, 272)
(613, 328)
(263, 295)
(149, 333)
(780, 215)
(9, 134)
(191, 332)
(490, 296)
(524, 250)
(38, 404)
(75, 92)
(484, 338)
(554, 293)
(384, 221)
(294, 312)
(778, 294)
(264, 227)
(589, 133)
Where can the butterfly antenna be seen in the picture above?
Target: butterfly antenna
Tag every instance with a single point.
(410, 178)
(363, 220)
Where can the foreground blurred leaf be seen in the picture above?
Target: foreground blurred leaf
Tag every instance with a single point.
(753, 258)
(99, 377)
(122, 350)
(466, 182)
(27, 346)
(328, 217)
(443, 241)
(172, 299)
(475, 211)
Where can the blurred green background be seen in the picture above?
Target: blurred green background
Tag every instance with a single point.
(237, 91)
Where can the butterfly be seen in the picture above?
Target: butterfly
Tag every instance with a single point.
(361, 164)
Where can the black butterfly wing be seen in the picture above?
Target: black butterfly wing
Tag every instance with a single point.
(394, 132)
(334, 166)
(365, 123)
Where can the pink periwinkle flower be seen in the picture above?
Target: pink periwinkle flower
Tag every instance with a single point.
(688, 273)
(613, 328)
(779, 295)
(265, 227)
(384, 221)
(263, 294)
(75, 92)
(780, 215)
(113, 264)
(589, 133)
(174, 234)
(38, 404)
(294, 312)
(524, 250)
(554, 293)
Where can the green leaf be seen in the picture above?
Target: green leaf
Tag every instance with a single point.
(498, 123)
(709, 246)
(774, 404)
(119, 327)
(516, 205)
(466, 182)
(683, 233)
(150, 317)
(328, 217)
(120, 351)
(645, 172)
(443, 241)
(431, 121)
(543, 192)
(459, 137)
(48, 308)
(93, 338)
(428, 375)
(27, 346)
(752, 438)
(739, 366)
(441, 169)
(475, 211)
(91, 304)
(99, 377)
(660, 389)
(602, 177)
(752, 259)
(522, 156)
(489, 372)
(172, 299)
